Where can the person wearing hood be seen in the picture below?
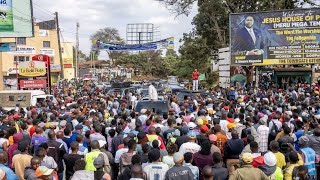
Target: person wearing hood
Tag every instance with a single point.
(16, 138)
(232, 150)
(270, 168)
(30, 172)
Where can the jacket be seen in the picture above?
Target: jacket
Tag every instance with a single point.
(195, 75)
(83, 175)
(233, 148)
(30, 174)
(220, 173)
(179, 172)
(248, 171)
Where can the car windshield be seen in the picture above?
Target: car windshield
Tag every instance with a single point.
(156, 106)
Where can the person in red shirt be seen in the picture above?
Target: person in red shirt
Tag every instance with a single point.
(195, 80)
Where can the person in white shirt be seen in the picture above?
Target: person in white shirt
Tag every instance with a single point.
(155, 170)
(153, 93)
(143, 117)
(224, 123)
(122, 151)
(190, 146)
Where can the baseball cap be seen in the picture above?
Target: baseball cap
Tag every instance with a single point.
(192, 125)
(177, 157)
(99, 161)
(43, 171)
(63, 123)
(178, 120)
(204, 129)
(270, 159)
(78, 127)
(212, 137)
(102, 143)
(231, 125)
(192, 135)
(247, 158)
(200, 122)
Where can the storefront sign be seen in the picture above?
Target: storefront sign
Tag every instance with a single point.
(32, 68)
(24, 50)
(48, 52)
(55, 68)
(33, 83)
(12, 70)
(67, 65)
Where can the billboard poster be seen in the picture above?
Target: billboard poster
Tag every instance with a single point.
(275, 38)
(16, 18)
(38, 84)
(32, 68)
(6, 16)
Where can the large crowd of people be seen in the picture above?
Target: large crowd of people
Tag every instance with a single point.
(236, 134)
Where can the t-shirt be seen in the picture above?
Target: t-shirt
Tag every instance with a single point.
(19, 163)
(281, 161)
(156, 171)
(70, 160)
(36, 140)
(168, 160)
(179, 173)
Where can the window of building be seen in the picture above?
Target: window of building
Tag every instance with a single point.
(46, 44)
(21, 40)
(21, 58)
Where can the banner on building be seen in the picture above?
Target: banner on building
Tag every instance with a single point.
(24, 50)
(48, 52)
(33, 84)
(8, 47)
(16, 18)
(32, 68)
(157, 45)
(275, 38)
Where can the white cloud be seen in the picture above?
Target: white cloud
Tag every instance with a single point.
(95, 14)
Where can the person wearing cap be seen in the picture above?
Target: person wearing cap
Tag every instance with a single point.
(247, 170)
(270, 168)
(190, 146)
(143, 116)
(44, 173)
(308, 155)
(179, 172)
(156, 169)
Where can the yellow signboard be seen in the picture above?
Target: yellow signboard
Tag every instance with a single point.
(267, 62)
(32, 68)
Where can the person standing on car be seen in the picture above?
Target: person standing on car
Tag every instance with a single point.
(153, 94)
(195, 80)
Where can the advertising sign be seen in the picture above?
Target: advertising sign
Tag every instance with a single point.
(7, 47)
(48, 52)
(24, 50)
(32, 68)
(16, 18)
(33, 84)
(275, 38)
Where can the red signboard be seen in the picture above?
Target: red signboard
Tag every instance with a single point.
(67, 65)
(41, 57)
(33, 84)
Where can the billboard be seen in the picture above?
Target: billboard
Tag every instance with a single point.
(33, 84)
(7, 47)
(275, 38)
(16, 18)
(32, 68)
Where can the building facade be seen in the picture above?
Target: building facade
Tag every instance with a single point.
(45, 41)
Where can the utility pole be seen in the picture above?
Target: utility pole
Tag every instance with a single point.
(77, 50)
(59, 44)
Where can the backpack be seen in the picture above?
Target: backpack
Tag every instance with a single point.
(273, 132)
